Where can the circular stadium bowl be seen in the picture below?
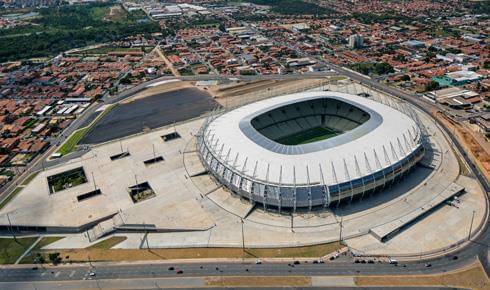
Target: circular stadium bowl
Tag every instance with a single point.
(307, 150)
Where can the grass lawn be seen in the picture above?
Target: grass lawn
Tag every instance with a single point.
(10, 250)
(71, 143)
(307, 136)
(102, 252)
(42, 243)
(108, 243)
(337, 78)
(66, 179)
(107, 49)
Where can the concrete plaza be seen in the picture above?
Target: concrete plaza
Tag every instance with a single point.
(191, 210)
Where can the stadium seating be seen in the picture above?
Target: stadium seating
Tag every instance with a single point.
(291, 120)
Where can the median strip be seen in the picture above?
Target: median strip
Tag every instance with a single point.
(70, 144)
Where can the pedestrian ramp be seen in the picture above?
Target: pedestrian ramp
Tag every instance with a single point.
(230, 203)
(105, 227)
(193, 164)
(388, 230)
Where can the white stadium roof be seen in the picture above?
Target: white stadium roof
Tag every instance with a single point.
(387, 137)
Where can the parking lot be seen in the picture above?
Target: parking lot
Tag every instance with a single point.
(150, 112)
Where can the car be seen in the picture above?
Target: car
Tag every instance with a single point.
(171, 268)
(35, 268)
(455, 257)
(428, 265)
(363, 261)
(91, 274)
(392, 261)
(180, 272)
(296, 263)
(356, 261)
(258, 262)
(370, 262)
(315, 262)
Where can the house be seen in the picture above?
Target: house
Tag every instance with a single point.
(9, 144)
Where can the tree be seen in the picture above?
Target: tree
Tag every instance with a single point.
(54, 258)
(433, 85)
(126, 80)
(405, 78)
(39, 259)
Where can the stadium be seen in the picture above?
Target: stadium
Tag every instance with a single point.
(309, 150)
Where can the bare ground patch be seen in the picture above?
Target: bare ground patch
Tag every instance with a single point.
(291, 281)
(102, 252)
(471, 277)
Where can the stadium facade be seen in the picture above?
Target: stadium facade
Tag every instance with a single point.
(311, 149)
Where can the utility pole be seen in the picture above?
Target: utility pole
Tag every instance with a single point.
(11, 229)
(146, 236)
(93, 179)
(471, 225)
(243, 240)
(340, 232)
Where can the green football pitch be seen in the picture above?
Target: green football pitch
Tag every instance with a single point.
(307, 136)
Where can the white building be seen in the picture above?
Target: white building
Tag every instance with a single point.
(355, 41)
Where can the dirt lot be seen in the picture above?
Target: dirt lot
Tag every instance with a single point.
(292, 281)
(159, 89)
(233, 95)
(478, 153)
(472, 277)
(102, 252)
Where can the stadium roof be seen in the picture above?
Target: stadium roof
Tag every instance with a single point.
(387, 137)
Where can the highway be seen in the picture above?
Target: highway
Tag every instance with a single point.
(478, 247)
(197, 269)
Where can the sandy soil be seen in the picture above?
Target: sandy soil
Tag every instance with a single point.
(472, 277)
(163, 88)
(479, 154)
(103, 253)
(252, 91)
(291, 281)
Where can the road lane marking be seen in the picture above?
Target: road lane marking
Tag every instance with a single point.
(72, 273)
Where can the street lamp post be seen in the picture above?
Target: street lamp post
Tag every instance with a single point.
(11, 229)
(471, 225)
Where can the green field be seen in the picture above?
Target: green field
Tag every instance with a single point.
(308, 136)
(10, 250)
(65, 27)
(30, 258)
(70, 144)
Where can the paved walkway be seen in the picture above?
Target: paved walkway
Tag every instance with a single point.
(28, 250)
